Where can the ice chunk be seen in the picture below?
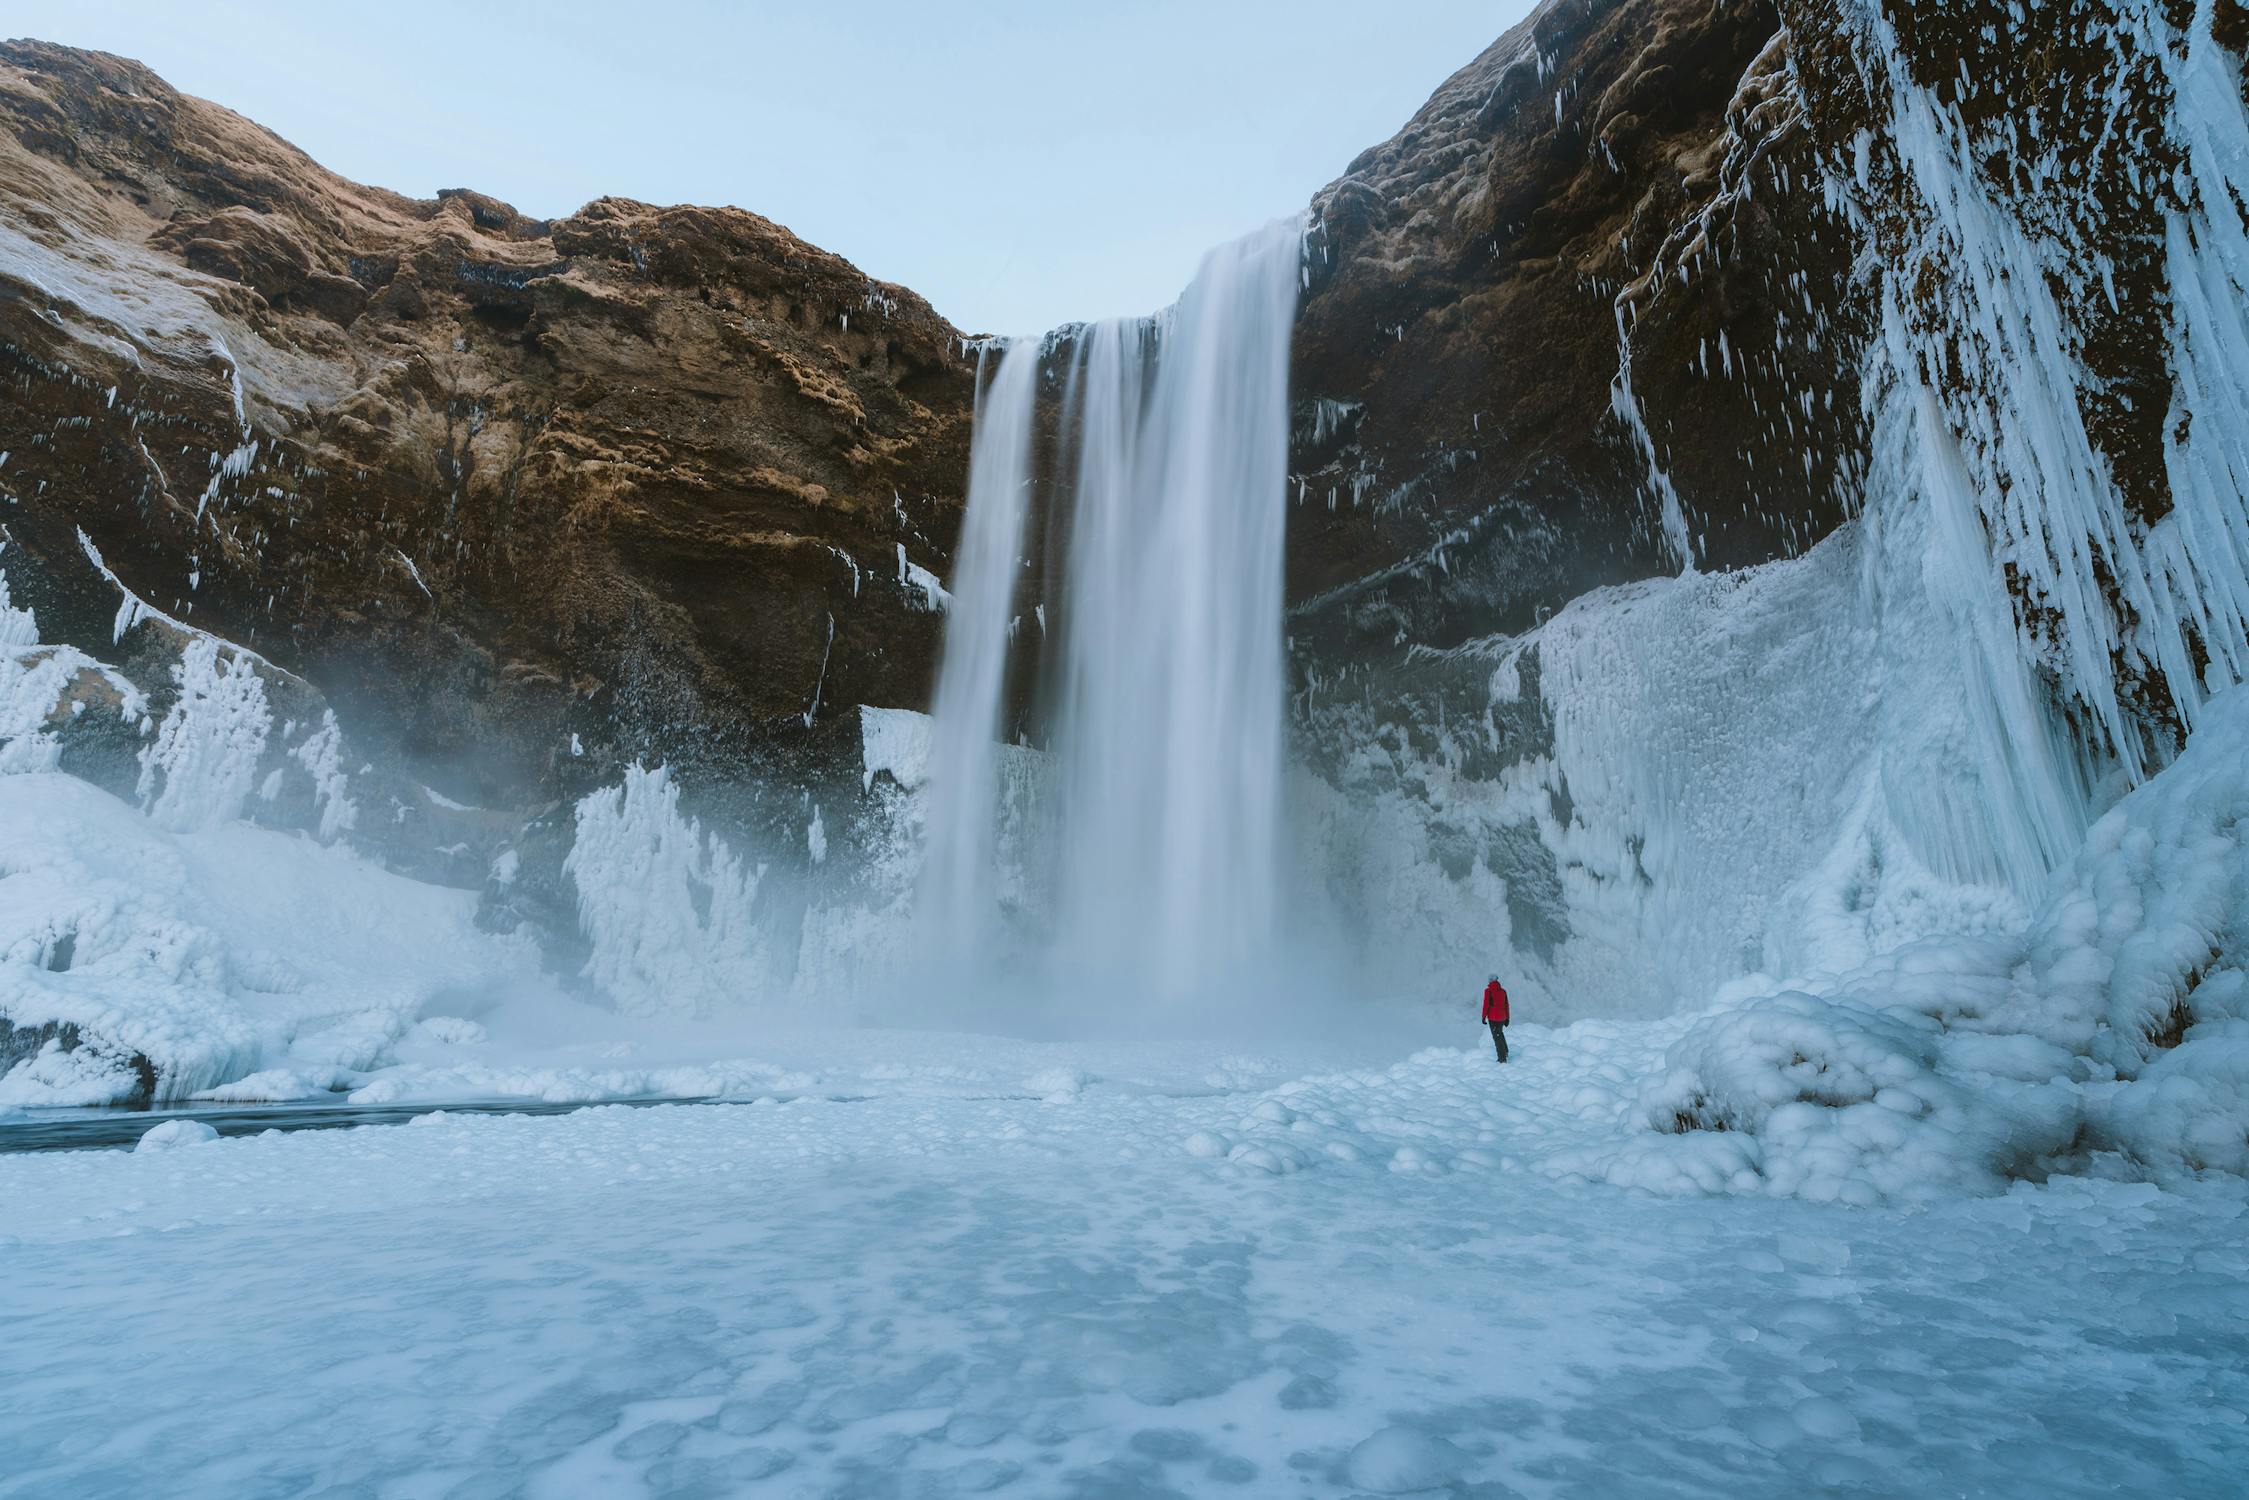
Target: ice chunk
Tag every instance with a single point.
(173, 1134)
(1400, 1460)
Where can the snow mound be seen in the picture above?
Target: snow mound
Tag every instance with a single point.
(2108, 1035)
(278, 1086)
(173, 1134)
(1399, 1461)
(1831, 1099)
(162, 963)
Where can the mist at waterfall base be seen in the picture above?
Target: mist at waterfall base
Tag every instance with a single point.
(1128, 873)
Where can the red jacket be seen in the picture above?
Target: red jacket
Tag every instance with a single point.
(1495, 1003)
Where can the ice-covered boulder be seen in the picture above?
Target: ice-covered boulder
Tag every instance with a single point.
(173, 1134)
(150, 963)
(1831, 1099)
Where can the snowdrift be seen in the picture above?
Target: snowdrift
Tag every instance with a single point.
(2108, 1034)
(136, 961)
(152, 953)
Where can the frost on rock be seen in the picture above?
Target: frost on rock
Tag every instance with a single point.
(40, 684)
(208, 955)
(665, 906)
(62, 1075)
(19, 629)
(897, 741)
(322, 757)
(925, 584)
(203, 764)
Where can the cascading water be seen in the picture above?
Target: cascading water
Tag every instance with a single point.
(1171, 738)
(957, 900)
(1168, 734)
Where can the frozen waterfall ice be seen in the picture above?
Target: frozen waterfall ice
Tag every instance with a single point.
(1173, 436)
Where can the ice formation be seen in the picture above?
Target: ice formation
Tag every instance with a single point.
(154, 953)
(1971, 316)
(203, 764)
(158, 962)
(665, 906)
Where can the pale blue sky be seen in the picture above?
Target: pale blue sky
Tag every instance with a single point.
(1019, 163)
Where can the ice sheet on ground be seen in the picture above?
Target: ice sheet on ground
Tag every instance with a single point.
(1052, 1296)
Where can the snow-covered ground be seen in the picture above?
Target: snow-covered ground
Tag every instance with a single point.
(1093, 1292)
(2107, 1030)
(216, 952)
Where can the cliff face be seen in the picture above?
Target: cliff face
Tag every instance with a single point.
(1620, 299)
(1501, 334)
(520, 500)
(1735, 436)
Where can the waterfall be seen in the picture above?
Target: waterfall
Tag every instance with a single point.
(1170, 683)
(957, 900)
(1170, 738)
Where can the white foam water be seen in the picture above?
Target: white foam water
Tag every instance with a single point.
(1172, 722)
(957, 902)
(1168, 730)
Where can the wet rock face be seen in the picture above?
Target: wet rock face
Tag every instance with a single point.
(640, 476)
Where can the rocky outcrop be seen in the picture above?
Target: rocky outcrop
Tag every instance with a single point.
(1620, 300)
(520, 501)
(1739, 441)
(1492, 351)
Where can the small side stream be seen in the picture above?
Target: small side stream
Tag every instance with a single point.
(99, 1129)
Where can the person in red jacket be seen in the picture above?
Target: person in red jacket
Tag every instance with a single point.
(1495, 1014)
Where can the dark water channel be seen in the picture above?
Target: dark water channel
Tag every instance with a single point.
(97, 1129)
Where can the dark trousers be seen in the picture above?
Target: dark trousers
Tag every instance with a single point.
(1499, 1038)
